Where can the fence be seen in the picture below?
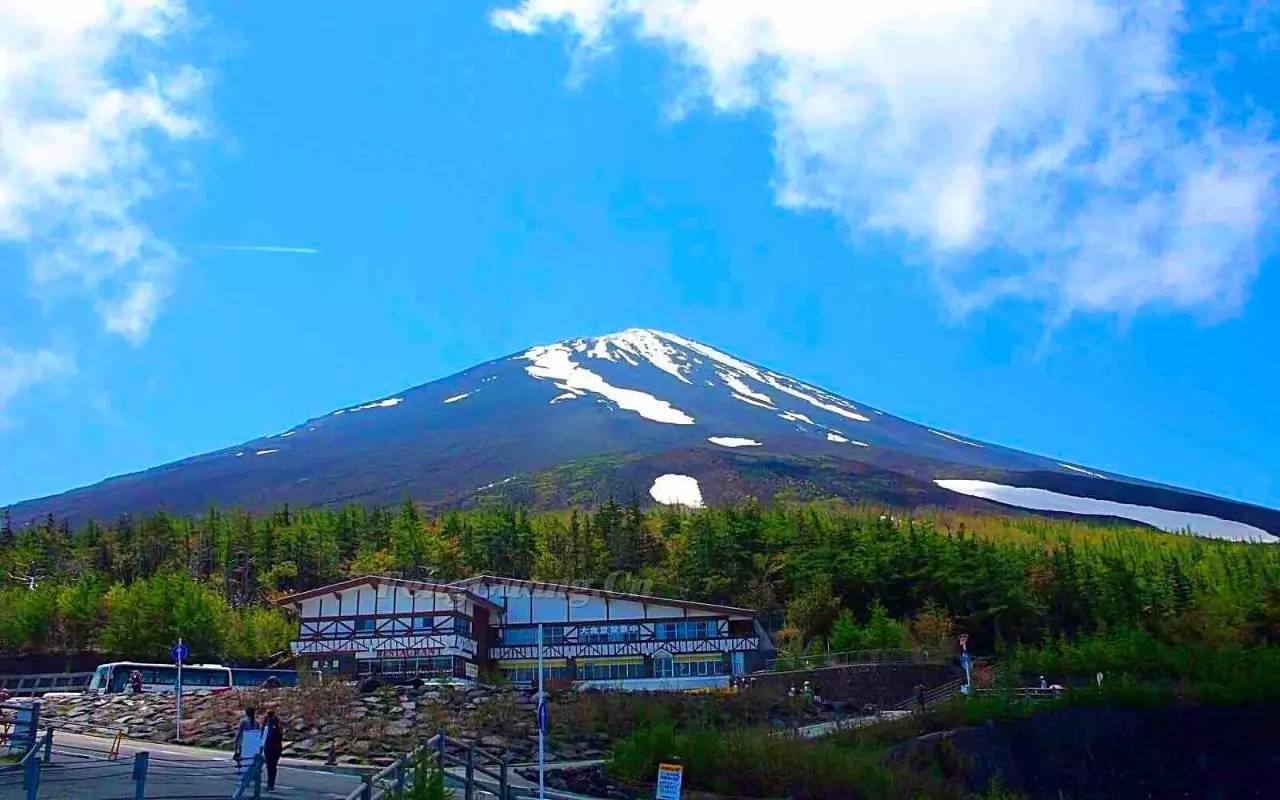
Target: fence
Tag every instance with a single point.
(852, 657)
(467, 770)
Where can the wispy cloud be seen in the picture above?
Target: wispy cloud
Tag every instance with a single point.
(20, 370)
(1058, 151)
(89, 99)
(265, 248)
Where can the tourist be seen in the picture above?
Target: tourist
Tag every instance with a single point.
(272, 746)
(135, 681)
(1043, 683)
(247, 724)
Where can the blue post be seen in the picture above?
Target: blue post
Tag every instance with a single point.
(48, 745)
(257, 776)
(31, 777)
(140, 775)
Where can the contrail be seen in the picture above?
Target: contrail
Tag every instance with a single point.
(266, 248)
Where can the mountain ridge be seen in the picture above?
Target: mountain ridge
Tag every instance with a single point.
(639, 393)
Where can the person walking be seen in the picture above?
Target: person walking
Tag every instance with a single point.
(247, 724)
(272, 746)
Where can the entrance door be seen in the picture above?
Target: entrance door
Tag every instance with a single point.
(739, 662)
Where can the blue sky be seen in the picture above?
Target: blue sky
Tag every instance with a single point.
(1065, 244)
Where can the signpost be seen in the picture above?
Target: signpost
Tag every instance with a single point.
(179, 654)
(670, 776)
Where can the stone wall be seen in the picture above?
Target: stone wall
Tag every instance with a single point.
(883, 685)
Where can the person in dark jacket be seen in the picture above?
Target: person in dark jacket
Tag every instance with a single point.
(272, 746)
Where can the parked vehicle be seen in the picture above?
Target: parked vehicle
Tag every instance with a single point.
(114, 678)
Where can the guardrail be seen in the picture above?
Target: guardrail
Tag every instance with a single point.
(851, 657)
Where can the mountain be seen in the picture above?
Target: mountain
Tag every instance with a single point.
(643, 411)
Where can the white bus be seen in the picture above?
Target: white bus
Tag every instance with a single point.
(113, 678)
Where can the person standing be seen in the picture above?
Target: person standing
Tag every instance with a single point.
(272, 746)
(135, 681)
(247, 724)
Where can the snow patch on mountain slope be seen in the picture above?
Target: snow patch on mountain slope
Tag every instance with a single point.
(732, 441)
(672, 489)
(736, 383)
(795, 416)
(1082, 471)
(952, 438)
(778, 382)
(835, 436)
(390, 402)
(1162, 518)
(457, 397)
(267, 452)
(749, 401)
(564, 396)
(555, 362)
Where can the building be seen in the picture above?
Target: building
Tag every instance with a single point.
(591, 637)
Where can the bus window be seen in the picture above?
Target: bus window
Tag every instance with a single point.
(100, 678)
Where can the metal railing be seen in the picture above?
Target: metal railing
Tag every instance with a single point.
(937, 694)
(468, 771)
(852, 657)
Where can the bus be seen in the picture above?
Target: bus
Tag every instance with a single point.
(113, 678)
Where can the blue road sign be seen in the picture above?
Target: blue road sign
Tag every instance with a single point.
(179, 652)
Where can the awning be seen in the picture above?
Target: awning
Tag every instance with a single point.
(685, 658)
(609, 662)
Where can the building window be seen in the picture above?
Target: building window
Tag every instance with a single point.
(551, 634)
(529, 674)
(611, 669)
(663, 668)
(687, 629)
(365, 625)
(699, 669)
(462, 626)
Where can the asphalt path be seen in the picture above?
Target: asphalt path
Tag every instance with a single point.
(81, 770)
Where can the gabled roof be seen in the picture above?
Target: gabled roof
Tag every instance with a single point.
(638, 598)
(451, 589)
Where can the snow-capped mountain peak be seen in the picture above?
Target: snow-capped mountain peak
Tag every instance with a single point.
(644, 411)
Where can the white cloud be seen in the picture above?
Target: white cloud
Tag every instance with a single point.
(1054, 150)
(20, 369)
(89, 103)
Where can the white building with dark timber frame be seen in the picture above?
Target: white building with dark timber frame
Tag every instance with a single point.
(591, 637)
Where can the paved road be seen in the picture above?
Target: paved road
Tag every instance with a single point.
(80, 771)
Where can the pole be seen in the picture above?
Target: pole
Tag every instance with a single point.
(542, 734)
(177, 724)
(140, 775)
(31, 777)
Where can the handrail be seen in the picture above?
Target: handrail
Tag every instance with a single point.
(934, 695)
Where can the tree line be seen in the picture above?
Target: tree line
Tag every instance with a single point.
(822, 575)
